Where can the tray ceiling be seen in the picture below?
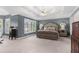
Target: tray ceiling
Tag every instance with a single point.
(39, 12)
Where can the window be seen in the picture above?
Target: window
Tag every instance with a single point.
(7, 25)
(1, 27)
(29, 26)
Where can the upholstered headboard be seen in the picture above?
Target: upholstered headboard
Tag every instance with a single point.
(51, 26)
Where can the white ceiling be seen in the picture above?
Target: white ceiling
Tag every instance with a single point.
(34, 12)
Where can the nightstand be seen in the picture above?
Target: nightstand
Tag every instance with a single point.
(63, 33)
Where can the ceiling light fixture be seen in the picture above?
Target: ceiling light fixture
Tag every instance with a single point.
(44, 11)
(47, 10)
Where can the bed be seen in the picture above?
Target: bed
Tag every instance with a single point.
(49, 31)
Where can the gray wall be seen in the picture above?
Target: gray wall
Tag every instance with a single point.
(14, 20)
(18, 22)
(58, 21)
(20, 26)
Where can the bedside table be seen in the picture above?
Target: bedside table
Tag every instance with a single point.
(63, 33)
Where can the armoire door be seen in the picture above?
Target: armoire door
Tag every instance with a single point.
(75, 37)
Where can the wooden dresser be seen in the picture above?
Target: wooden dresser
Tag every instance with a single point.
(75, 38)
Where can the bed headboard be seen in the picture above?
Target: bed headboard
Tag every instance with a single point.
(51, 26)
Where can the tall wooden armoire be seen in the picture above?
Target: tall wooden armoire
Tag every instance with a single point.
(75, 38)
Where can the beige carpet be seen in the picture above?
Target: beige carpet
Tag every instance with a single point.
(32, 44)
